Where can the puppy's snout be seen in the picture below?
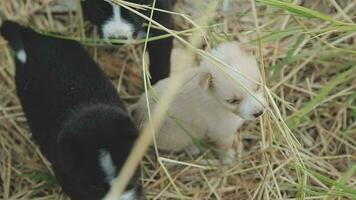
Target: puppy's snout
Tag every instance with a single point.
(257, 114)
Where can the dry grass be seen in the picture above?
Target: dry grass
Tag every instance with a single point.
(309, 66)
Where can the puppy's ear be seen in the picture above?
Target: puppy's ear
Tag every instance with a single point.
(206, 81)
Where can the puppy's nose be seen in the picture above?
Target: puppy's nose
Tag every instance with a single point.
(257, 114)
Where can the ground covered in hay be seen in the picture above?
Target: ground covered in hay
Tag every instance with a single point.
(304, 147)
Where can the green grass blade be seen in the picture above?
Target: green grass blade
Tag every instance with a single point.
(344, 189)
(343, 180)
(296, 118)
(302, 11)
(277, 35)
(276, 69)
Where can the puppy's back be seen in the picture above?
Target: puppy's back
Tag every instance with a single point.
(56, 77)
(74, 112)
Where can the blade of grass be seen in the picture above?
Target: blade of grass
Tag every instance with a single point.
(277, 35)
(276, 69)
(299, 116)
(302, 11)
(343, 180)
(348, 191)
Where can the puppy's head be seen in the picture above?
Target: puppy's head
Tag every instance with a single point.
(92, 147)
(113, 20)
(231, 94)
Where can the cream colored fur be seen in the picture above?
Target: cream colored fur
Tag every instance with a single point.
(201, 105)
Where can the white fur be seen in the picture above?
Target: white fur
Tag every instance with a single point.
(127, 195)
(251, 105)
(21, 56)
(107, 165)
(109, 169)
(243, 69)
(205, 112)
(117, 27)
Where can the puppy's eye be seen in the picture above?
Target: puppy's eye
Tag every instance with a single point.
(233, 101)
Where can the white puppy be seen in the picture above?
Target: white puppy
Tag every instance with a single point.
(211, 104)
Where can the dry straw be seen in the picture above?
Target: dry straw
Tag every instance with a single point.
(303, 147)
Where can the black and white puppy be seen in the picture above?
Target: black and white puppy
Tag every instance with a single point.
(114, 21)
(74, 112)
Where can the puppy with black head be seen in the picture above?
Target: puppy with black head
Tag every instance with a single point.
(74, 113)
(114, 21)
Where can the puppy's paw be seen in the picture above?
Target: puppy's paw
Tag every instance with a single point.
(228, 157)
(193, 150)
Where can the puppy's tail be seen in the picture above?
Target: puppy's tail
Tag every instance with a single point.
(13, 33)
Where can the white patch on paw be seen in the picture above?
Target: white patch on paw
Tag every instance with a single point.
(117, 27)
(21, 56)
(127, 195)
(109, 170)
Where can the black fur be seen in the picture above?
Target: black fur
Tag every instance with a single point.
(73, 110)
(99, 11)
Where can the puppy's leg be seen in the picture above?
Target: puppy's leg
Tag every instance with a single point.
(160, 50)
(225, 148)
(160, 54)
(193, 150)
(223, 135)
